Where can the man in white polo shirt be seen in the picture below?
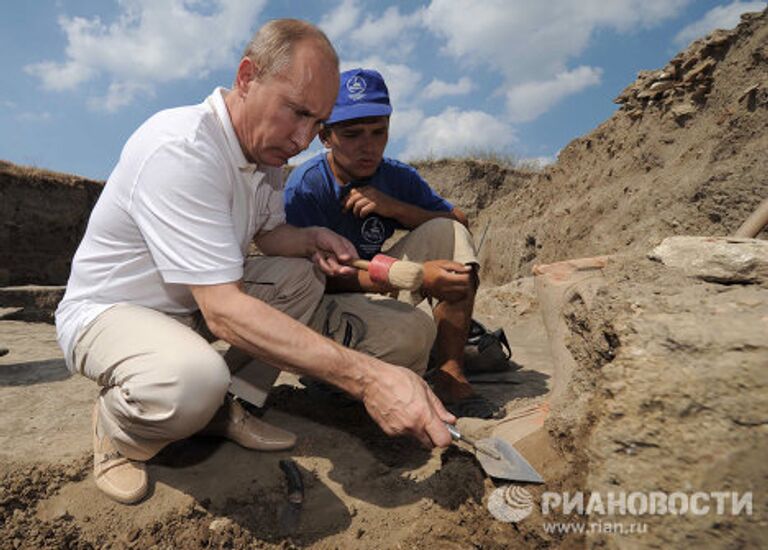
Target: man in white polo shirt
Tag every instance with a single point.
(163, 270)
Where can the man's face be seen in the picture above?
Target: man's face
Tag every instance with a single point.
(357, 146)
(279, 115)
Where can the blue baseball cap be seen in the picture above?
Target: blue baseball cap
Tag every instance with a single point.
(362, 94)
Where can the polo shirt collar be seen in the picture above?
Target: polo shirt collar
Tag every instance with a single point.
(220, 108)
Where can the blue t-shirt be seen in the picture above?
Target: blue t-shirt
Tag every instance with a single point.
(312, 197)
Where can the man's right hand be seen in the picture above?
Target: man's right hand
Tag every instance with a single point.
(396, 398)
(402, 403)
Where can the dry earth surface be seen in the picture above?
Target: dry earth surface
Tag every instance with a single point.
(648, 373)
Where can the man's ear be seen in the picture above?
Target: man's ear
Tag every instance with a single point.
(247, 71)
(325, 136)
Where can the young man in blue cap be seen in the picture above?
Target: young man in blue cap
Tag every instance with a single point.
(357, 192)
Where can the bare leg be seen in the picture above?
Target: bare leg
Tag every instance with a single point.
(452, 320)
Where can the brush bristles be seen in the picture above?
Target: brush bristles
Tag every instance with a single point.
(406, 275)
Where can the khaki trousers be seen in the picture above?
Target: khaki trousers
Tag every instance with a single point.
(160, 379)
(392, 328)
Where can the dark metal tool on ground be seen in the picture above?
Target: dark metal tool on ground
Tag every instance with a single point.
(498, 458)
(290, 516)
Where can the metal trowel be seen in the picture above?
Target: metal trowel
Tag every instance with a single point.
(498, 458)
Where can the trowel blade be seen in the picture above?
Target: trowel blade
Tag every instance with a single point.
(510, 466)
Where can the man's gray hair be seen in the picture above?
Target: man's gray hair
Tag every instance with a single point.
(272, 46)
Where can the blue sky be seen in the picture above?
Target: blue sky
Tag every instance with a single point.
(522, 77)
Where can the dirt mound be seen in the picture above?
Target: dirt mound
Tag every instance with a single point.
(684, 155)
(473, 185)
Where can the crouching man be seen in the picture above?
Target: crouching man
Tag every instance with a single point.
(162, 270)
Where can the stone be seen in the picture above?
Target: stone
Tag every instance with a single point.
(719, 38)
(683, 110)
(727, 260)
(752, 90)
(648, 94)
(661, 85)
(220, 524)
(699, 70)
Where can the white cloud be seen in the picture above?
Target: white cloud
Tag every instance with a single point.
(531, 43)
(528, 101)
(455, 132)
(152, 41)
(392, 32)
(533, 40)
(720, 17)
(8, 104)
(119, 94)
(538, 162)
(438, 88)
(403, 123)
(341, 20)
(60, 76)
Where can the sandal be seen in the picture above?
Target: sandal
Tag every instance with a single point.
(486, 351)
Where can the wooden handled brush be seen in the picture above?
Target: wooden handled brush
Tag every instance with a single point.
(385, 269)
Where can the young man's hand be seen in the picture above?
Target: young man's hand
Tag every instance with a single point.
(362, 201)
(366, 200)
(447, 280)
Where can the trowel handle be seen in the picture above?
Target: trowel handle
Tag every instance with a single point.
(456, 436)
(454, 431)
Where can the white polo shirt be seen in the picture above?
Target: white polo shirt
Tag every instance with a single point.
(181, 207)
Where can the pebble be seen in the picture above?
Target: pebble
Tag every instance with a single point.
(220, 524)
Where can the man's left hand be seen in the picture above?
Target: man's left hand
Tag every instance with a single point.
(330, 251)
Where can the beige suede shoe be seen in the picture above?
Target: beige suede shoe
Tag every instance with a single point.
(120, 478)
(235, 423)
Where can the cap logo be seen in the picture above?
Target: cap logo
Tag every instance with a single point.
(356, 87)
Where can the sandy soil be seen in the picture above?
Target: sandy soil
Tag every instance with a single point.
(363, 488)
